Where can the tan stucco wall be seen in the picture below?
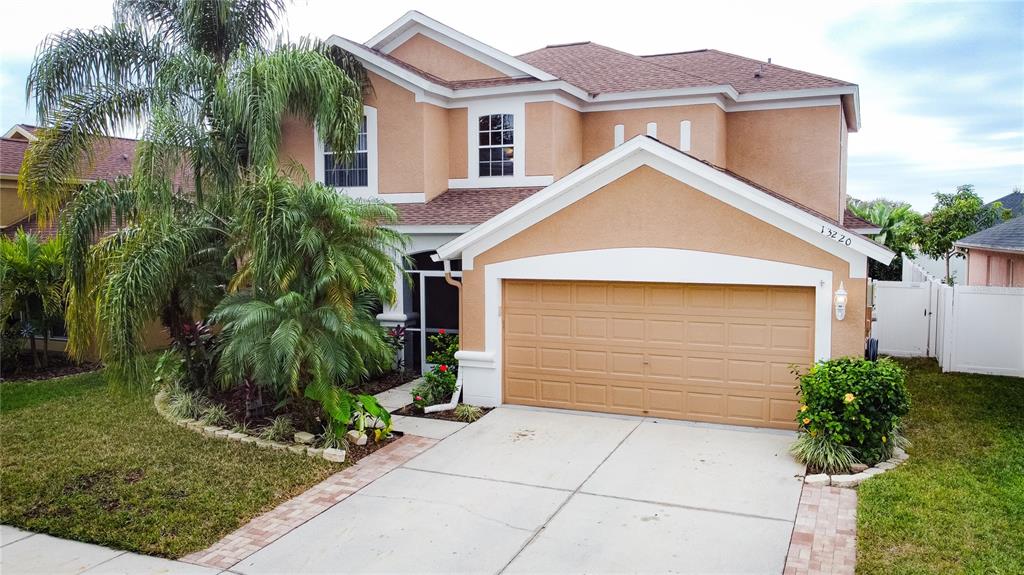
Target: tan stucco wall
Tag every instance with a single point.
(435, 150)
(12, 210)
(645, 208)
(458, 162)
(399, 136)
(554, 139)
(413, 151)
(707, 129)
(440, 60)
(795, 152)
(988, 268)
(297, 145)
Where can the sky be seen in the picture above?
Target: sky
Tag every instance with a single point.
(941, 83)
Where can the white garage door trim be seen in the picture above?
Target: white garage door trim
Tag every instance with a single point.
(481, 371)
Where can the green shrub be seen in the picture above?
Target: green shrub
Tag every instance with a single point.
(445, 345)
(468, 413)
(822, 454)
(437, 387)
(280, 429)
(185, 404)
(216, 414)
(855, 403)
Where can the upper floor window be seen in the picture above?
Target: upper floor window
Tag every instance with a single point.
(351, 172)
(497, 145)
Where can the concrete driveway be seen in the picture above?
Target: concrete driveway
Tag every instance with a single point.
(545, 491)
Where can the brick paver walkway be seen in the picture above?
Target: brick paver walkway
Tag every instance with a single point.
(825, 534)
(274, 524)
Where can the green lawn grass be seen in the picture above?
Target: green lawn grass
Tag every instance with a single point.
(957, 506)
(83, 461)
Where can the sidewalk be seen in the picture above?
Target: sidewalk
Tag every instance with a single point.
(26, 552)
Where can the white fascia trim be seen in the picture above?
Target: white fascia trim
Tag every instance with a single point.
(370, 191)
(385, 42)
(430, 230)
(867, 231)
(640, 151)
(22, 132)
(660, 265)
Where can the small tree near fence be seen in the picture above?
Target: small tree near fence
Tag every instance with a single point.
(955, 216)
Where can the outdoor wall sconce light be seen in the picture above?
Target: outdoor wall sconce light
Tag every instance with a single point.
(841, 302)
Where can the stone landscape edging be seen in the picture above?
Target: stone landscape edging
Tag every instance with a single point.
(855, 479)
(215, 431)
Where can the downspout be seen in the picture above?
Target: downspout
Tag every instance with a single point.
(458, 381)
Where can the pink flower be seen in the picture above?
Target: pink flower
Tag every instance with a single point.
(443, 368)
(440, 332)
(418, 398)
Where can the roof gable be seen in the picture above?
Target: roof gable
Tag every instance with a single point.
(413, 23)
(640, 151)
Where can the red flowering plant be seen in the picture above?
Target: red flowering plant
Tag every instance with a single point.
(440, 382)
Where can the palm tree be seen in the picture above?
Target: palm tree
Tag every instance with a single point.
(890, 217)
(33, 285)
(199, 75)
(303, 322)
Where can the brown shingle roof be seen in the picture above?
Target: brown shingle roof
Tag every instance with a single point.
(599, 69)
(742, 73)
(112, 157)
(462, 206)
(855, 223)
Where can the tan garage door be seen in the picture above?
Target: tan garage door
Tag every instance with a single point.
(685, 351)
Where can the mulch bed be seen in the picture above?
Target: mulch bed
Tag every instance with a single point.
(413, 411)
(386, 382)
(60, 365)
(357, 452)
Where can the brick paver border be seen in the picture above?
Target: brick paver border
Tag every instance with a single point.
(825, 533)
(274, 524)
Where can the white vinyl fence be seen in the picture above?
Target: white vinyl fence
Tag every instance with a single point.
(976, 329)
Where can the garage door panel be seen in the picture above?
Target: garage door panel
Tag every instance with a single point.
(555, 325)
(702, 352)
(626, 398)
(520, 388)
(558, 359)
(555, 391)
(792, 337)
(592, 328)
(555, 293)
(746, 408)
(521, 324)
(781, 412)
(752, 299)
(748, 336)
(671, 366)
(521, 356)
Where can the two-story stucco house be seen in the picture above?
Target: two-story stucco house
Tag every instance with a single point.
(652, 235)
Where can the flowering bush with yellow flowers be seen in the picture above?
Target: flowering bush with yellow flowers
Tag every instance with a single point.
(856, 403)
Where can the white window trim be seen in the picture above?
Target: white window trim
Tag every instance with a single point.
(482, 370)
(518, 110)
(370, 190)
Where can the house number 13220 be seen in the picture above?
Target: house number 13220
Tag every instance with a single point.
(836, 235)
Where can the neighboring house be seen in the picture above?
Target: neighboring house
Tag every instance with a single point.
(112, 157)
(1014, 201)
(995, 256)
(649, 235)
